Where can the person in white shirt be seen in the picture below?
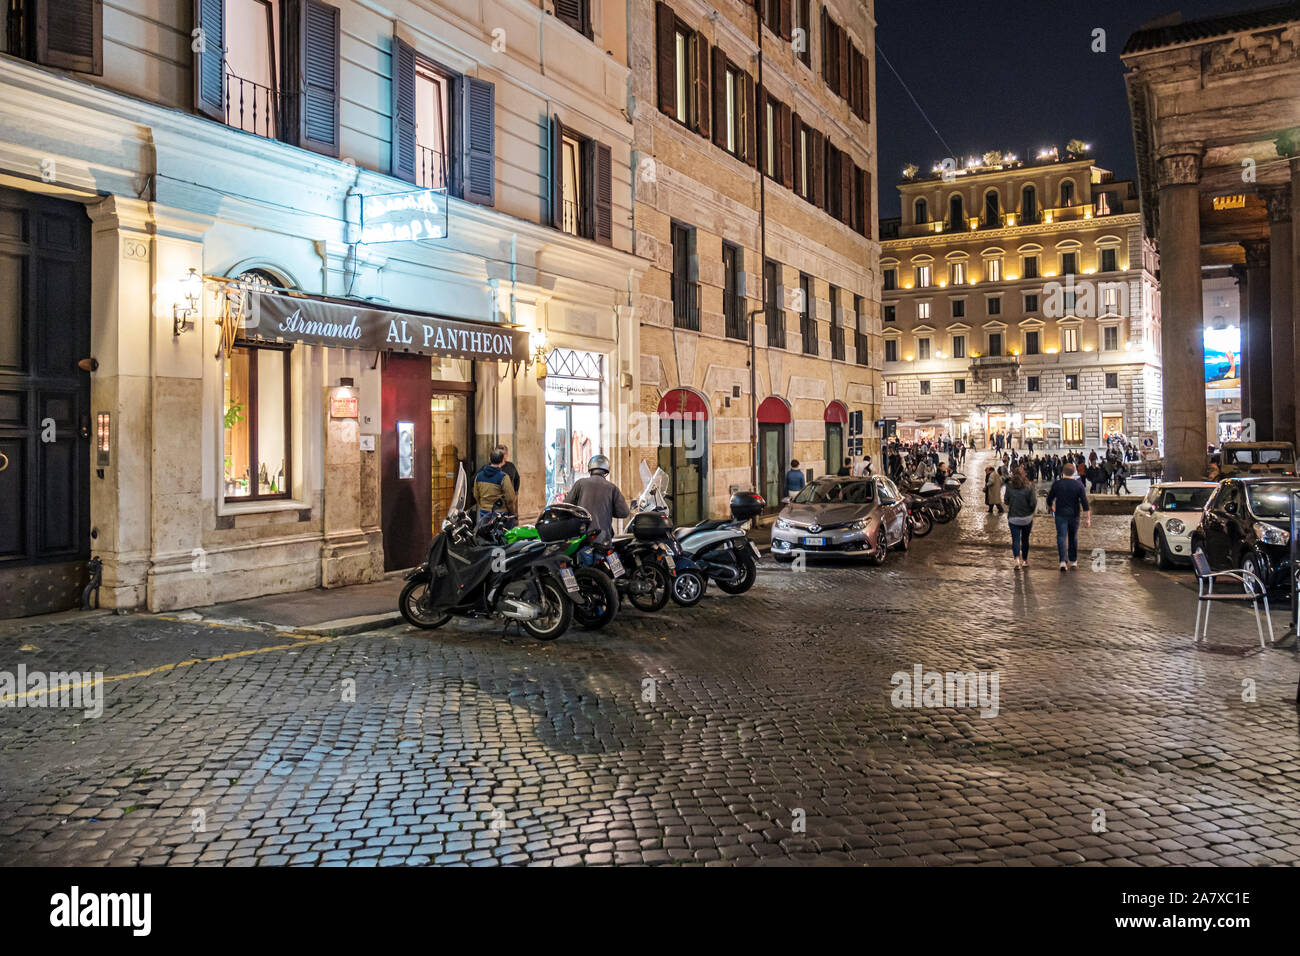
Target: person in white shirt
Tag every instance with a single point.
(863, 468)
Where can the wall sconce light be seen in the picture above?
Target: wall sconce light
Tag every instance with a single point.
(103, 438)
(538, 342)
(183, 316)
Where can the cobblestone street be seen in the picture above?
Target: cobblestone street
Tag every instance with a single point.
(751, 729)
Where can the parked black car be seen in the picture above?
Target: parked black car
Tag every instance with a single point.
(1246, 524)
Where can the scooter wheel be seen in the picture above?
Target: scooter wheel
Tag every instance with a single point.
(922, 523)
(411, 605)
(688, 587)
(557, 611)
(748, 575)
(597, 600)
(648, 587)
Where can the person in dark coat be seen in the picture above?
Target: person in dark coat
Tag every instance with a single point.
(1067, 501)
(600, 496)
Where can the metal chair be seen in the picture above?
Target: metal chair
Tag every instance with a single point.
(1253, 590)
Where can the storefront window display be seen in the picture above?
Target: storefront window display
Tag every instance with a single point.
(574, 407)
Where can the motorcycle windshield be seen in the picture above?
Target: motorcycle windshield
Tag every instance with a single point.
(653, 495)
(459, 496)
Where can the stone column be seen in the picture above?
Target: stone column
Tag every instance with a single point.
(1281, 320)
(1256, 337)
(1183, 356)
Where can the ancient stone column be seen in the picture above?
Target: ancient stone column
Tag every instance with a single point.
(1256, 340)
(1183, 355)
(1281, 320)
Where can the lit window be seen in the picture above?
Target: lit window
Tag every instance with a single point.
(923, 310)
(994, 269)
(1069, 340)
(432, 132)
(922, 277)
(256, 423)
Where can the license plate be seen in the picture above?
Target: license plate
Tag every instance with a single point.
(570, 581)
(814, 542)
(615, 565)
(668, 560)
(753, 547)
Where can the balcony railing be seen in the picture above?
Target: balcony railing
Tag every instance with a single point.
(775, 327)
(573, 218)
(863, 349)
(1078, 211)
(837, 343)
(808, 331)
(430, 168)
(686, 303)
(253, 107)
(733, 314)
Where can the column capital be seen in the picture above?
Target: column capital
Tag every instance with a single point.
(1179, 164)
(1256, 253)
(1277, 200)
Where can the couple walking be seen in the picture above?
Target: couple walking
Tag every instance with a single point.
(1067, 500)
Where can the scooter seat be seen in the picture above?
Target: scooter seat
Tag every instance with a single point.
(709, 524)
(621, 539)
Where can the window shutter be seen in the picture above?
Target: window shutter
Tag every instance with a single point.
(402, 161)
(665, 27)
(210, 65)
(760, 132)
(602, 193)
(702, 111)
(818, 170)
(318, 89)
(843, 63)
(557, 172)
(574, 13)
(70, 34)
(864, 94)
(868, 224)
(784, 15)
(826, 46)
(795, 126)
(478, 141)
(720, 98)
(853, 80)
(751, 122)
(786, 147)
(846, 189)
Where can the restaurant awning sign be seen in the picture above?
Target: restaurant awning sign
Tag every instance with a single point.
(349, 325)
(404, 217)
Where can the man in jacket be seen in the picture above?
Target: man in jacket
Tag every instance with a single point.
(493, 488)
(599, 496)
(794, 479)
(508, 467)
(1067, 500)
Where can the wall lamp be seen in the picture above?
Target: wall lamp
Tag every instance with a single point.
(183, 316)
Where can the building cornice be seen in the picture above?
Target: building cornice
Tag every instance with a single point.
(940, 239)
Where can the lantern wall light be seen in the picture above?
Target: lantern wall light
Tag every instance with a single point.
(183, 315)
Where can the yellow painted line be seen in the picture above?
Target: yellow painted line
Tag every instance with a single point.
(163, 668)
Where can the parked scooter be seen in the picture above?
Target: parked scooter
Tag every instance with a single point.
(650, 521)
(531, 582)
(720, 547)
(597, 568)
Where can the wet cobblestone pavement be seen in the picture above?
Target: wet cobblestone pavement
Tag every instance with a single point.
(748, 730)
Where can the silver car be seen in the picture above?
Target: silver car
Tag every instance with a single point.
(850, 516)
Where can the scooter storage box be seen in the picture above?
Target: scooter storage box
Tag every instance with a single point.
(746, 505)
(647, 526)
(560, 522)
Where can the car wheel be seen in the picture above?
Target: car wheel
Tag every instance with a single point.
(1164, 557)
(882, 548)
(1251, 563)
(1134, 545)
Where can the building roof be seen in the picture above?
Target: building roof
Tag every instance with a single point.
(1154, 38)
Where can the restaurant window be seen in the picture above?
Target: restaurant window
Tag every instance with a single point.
(891, 350)
(959, 346)
(256, 420)
(733, 302)
(1072, 429)
(685, 290)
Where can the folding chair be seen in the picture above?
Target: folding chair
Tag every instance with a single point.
(1253, 590)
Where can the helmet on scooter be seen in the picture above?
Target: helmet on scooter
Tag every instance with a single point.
(598, 463)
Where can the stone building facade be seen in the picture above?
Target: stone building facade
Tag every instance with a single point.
(1020, 298)
(759, 315)
(161, 161)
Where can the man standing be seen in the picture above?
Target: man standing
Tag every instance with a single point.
(493, 488)
(1067, 500)
(794, 479)
(508, 466)
(600, 496)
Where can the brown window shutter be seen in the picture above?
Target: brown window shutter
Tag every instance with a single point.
(318, 90)
(575, 14)
(70, 34)
(865, 93)
(825, 34)
(853, 80)
(210, 64)
(703, 112)
(846, 189)
(787, 149)
(796, 126)
(599, 188)
(784, 14)
(818, 170)
(720, 98)
(402, 159)
(844, 63)
(665, 29)
(868, 224)
(557, 172)
(751, 122)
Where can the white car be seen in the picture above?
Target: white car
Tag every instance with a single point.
(1165, 519)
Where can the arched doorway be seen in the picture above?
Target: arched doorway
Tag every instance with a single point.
(837, 416)
(773, 429)
(683, 452)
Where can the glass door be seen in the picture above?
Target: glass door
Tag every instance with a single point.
(450, 412)
(681, 455)
(834, 447)
(771, 447)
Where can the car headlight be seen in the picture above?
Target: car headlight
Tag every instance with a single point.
(859, 525)
(1175, 526)
(782, 524)
(1271, 535)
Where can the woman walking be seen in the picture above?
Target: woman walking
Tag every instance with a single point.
(1022, 503)
(993, 489)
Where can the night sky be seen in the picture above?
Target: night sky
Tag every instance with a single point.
(1010, 75)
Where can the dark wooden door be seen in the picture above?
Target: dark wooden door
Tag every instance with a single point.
(44, 403)
(406, 503)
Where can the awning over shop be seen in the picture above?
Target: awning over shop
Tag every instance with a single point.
(315, 320)
(836, 411)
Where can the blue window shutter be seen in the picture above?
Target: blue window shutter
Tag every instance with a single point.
(319, 111)
(210, 65)
(403, 146)
(478, 141)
